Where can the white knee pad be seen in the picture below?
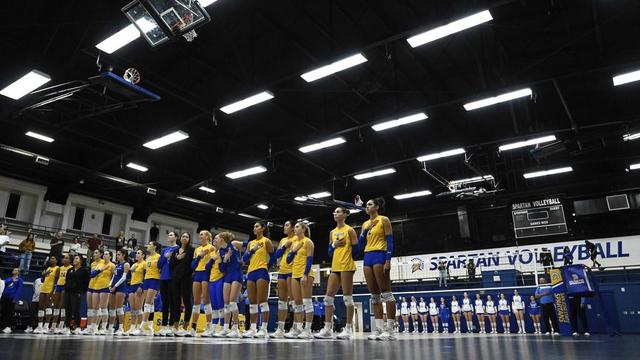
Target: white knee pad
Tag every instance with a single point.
(233, 307)
(282, 305)
(292, 303)
(48, 312)
(98, 312)
(308, 305)
(348, 300)
(328, 301)
(41, 313)
(376, 299)
(207, 309)
(148, 308)
(264, 307)
(298, 308)
(90, 313)
(63, 313)
(137, 312)
(105, 312)
(226, 309)
(388, 297)
(195, 309)
(112, 313)
(56, 312)
(253, 309)
(120, 311)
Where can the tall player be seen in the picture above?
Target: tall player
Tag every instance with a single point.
(118, 290)
(46, 296)
(517, 305)
(504, 312)
(455, 312)
(377, 234)
(201, 257)
(490, 309)
(342, 241)
(422, 310)
(301, 256)
(59, 311)
(103, 275)
(231, 267)
(136, 294)
(479, 308)
(150, 285)
(92, 307)
(257, 256)
(284, 277)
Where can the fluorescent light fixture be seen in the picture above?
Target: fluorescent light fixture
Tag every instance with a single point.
(248, 216)
(498, 99)
(207, 189)
(166, 140)
(526, 143)
(354, 211)
(629, 137)
(334, 67)
(412, 195)
(323, 144)
(26, 84)
(35, 135)
(205, 3)
(17, 151)
(450, 28)
(634, 166)
(300, 198)
(399, 122)
(117, 179)
(138, 167)
(626, 78)
(125, 36)
(548, 172)
(471, 180)
(263, 207)
(245, 103)
(195, 201)
(246, 172)
(320, 195)
(439, 155)
(374, 174)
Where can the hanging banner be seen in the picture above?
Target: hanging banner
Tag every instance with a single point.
(561, 301)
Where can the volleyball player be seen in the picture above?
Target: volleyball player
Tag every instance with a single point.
(445, 315)
(166, 291)
(479, 308)
(490, 309)
(342, 241)
(433, 313)
(257, 257)
(378, 236)
(422, 310)
(201, 257)
(505, 312)
(136, 294)
(59, 312)
(231, 267)
(182, 285)
(284, 277)
(216, 288)
(534, 313)
(413, 310)
(517, 305)
(118, 289)
(455, 312)
(404, 310)
(103, 275)
(301, 257)
(92, 307)
(150, 286)
(46, 296)
(467, 311)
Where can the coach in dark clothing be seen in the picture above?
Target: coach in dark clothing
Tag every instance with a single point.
(544, 295)
(181, 279)
(75, 289)
(578, 309)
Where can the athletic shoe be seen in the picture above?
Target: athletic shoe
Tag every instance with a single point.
(324, 334)
(28, 330)
(7, 330)
(547, 333)
(50, 331)
(136, 332)
(345, 334)
(101, 332)
(374, 335)
(305, 334)
(149, 332)
(293, 333)
(180, 332)
(191, 333)
(77, 331)
(234, 334)
(65, 331)
(249, 333)
(587, 334)
(110, 332)
(119, 333)
(222, 333)
(555, 334)
(278, 334)
(208, 332)
(575, 334)
(262, 334)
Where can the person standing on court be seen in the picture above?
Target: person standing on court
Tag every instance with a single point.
(544, 295)
(9, 297)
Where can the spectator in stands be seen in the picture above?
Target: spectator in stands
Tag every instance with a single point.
(132, 242)
(94, 243)
(593, 253)
(33, 308)
(471, 270)
(4, 239)
(26, 249)
(567, 256)
(75, 289)
(120, 240)
(546, 259)
(74, 249)
(57, 244)
(544, 296)
(442, 273)
(11, 294)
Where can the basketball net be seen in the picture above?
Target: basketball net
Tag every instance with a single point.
(189, 36)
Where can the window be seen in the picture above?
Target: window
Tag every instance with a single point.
(78, 218)
(12, 205)
(106, 223)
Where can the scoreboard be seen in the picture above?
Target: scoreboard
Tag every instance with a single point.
(538, 218)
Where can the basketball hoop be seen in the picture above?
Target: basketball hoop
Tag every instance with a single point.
(189, 36)
(132, 75)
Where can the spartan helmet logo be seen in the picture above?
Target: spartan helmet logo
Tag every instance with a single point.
(575, 277)
(417, 264)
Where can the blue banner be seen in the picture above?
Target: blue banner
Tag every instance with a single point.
(561, 302)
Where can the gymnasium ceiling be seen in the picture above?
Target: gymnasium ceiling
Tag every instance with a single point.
(565, 51)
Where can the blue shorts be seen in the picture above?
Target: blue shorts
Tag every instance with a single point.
(133, 288)
(59, 288)
(122, 288)
(151, 284)
(256, 275)
(215, 294)
(503, 312)
(200, 276)
(232, 277)
(99, 291)
(284, 276)
(535, 311)
(372, 258)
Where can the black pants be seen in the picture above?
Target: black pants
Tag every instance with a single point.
(72, 302)
(33, 312)
(577, 310)
(182, 291)
(166, 293)
(6, 306)
(549, 314)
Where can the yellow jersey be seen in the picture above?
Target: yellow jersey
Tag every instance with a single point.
(342, 255)
(285, 268)
(204, 260)
(104, 278)
(300, 260)
(49, 280)
(62, 277)
(137, 275)
(375, 236)
(215, 274)
(152, 269)
(260, 258)
(94, 266)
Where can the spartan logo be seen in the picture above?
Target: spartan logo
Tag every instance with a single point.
(576, 280)
(417, 264)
